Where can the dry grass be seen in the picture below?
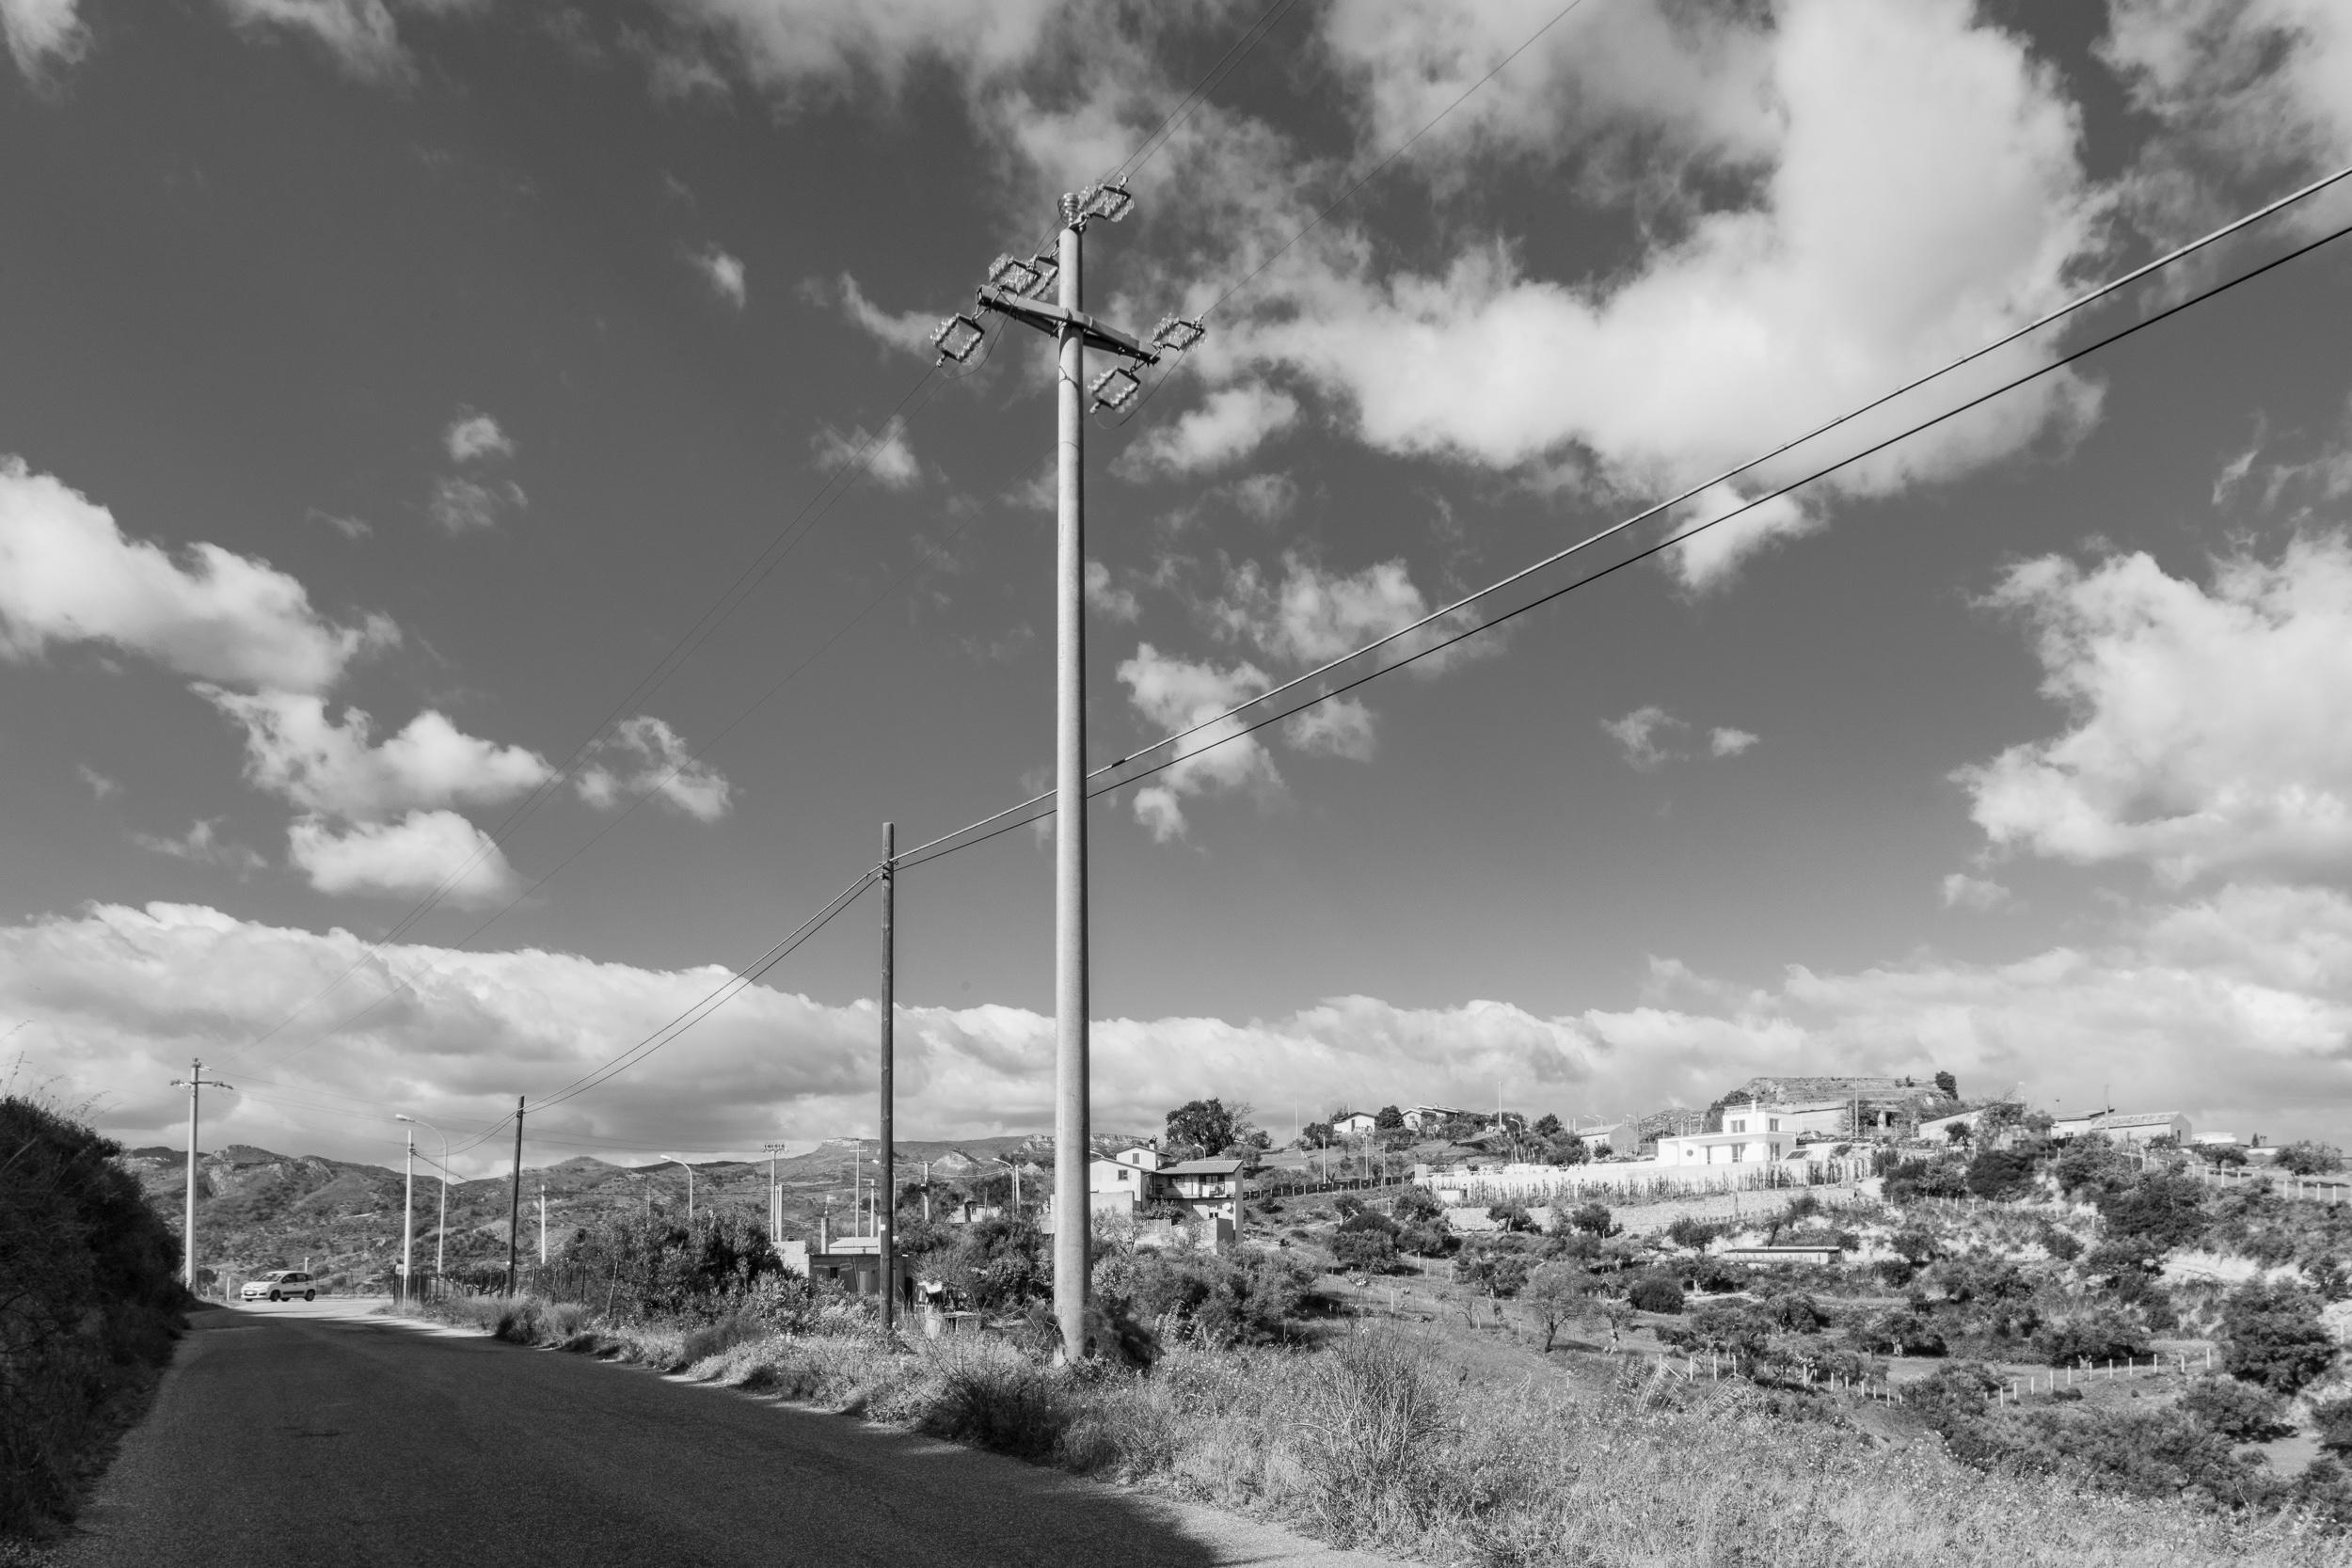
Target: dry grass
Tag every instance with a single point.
(1384, 1443)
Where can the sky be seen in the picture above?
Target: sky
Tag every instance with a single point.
(484, 547)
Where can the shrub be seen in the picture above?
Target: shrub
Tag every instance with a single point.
(2332, 1421)
(1415, 1204)
(1365, 1417)
(89, 1301)
(1717, 1277)
(2091, 1165)
(1905, 1331)
(1915, 1247)
(2000, 1173)
(1896, 1272)
(1694, 1232)
(1514, 1217)
(1917, 1178)
(1242, 1298)
(2274, 1337)
(2096, 1338)
(1656, 1292)
(1795, 1313)
(2165, 1212)
(736, 1328)
(1494, 1271)
(1000, 1400)
(2241, 1411)
(2061, 1244)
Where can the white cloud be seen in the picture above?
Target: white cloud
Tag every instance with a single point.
(722, 272)
(888, 458)
(1713, 559)
(1336, 727)
(1174, 693)
(1638, 733)
(1313, 616)
(293, 749)
(1650, 736)
(2263, 83)
(908, 331)
(815, 49)
(1118, 603)
(2211, 728)
(42, 33)
(1915, 189)
(202, 845)
(463, 505)
(422, 852)
(2233, 1009)
(100, 786)
(360, 35)
(1964, 891)
(472, 435)
(1731, 742)
(67, 575)
(667, 767)
(1232, 422)
(350, 527)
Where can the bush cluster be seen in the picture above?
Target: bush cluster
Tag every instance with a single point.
(89, 1303)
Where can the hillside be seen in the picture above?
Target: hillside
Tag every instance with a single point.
(258, 1210)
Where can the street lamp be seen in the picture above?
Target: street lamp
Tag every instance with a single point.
(440, 1238)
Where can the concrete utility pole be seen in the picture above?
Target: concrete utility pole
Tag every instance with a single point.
(543, 1225)
(775, 1197)
(887, 1159)
(1015, 290)
(440, 1238)
(195, 1083)
(689, 1186)
(409, 1220)
(514, 1209)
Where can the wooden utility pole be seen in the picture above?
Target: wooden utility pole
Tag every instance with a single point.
(886, 1159)
(515, 1207)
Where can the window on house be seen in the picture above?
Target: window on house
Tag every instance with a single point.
(1775, 1126)
(1739, 1152)
(1739, 1127)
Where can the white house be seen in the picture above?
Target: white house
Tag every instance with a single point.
(1428, 1118)
(1356, 1124)
(2126, 1127)
(1119, 1184)
(1615, 1137)
(1751, 1135)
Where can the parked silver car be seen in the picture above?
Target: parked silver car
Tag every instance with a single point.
(281, 1285)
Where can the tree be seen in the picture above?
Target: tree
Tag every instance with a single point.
(1416, 1204)
(1388, 1118)
(2274, 1337)
(1316, 1134)
(1557, 1292)
(1367, 1250)
(2310, 1159)
(1205, 1125)
(1656, 1292)
(1462, 1127)
(1593, 1219)
(1949, 1085)
(1547, 1126)
(1957, 1133)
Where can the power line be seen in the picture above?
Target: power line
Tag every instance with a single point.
(732, 597)
(1430, 633)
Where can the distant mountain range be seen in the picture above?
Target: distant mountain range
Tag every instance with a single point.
(258, 1210)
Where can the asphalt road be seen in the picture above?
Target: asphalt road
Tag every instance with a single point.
(313, 1433)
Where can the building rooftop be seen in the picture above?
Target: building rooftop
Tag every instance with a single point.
(1201, 1167)
(2121, 1119)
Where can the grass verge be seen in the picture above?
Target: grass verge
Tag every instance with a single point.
(1384, 1443)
